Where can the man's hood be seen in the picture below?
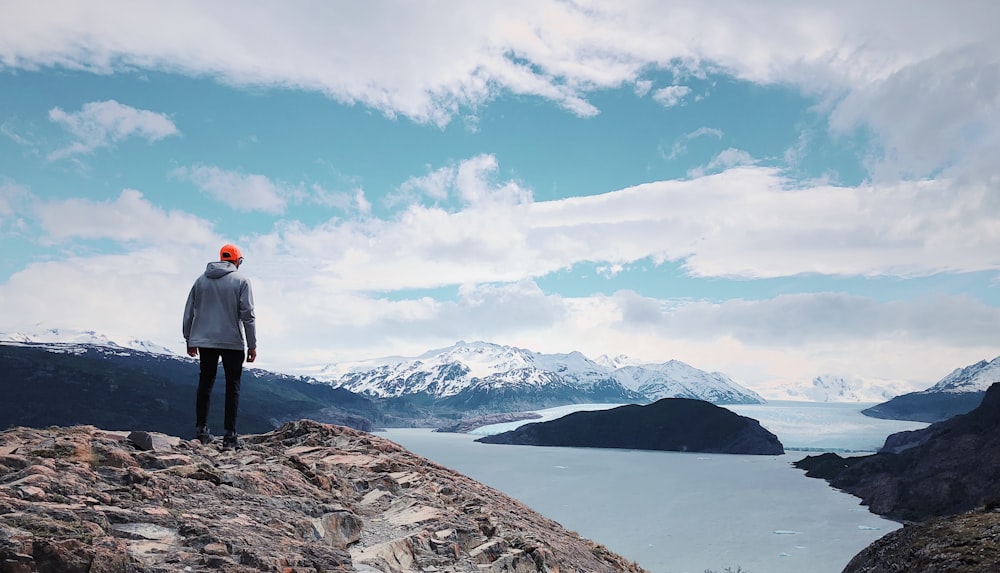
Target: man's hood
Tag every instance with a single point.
(218, 269)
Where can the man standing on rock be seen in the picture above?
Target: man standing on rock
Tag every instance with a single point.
(219, 301)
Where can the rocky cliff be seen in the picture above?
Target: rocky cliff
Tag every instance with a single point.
(967, 543)
(304, 497)
(942, 482)
(947, 468)
(670, 424)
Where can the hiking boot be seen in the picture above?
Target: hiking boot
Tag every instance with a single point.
(231, 442)
(202, 434)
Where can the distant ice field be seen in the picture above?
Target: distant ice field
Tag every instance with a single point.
(816, 426)
(676, 512)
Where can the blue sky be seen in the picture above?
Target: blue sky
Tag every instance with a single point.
(774, 190)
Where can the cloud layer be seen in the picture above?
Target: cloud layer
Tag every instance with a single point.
(919, 81)
(926, 88)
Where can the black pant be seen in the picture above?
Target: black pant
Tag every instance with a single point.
(232, 364)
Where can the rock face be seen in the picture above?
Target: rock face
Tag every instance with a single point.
(304, 497)
(968, 543)
(671, 424)
(948, 468)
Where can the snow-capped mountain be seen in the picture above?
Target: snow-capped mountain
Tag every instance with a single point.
(446, 372)
(675, 379)
(469, 372)
(977, 377)
(959, 392)
(833, 388)
(614, 362)
(88, 337)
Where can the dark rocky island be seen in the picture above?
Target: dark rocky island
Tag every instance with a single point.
(670, 424)
(306, 497)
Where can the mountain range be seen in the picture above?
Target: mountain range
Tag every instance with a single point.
(957, 393)
(88, 337)
(483, 375)
(481, 378)
(64, 384)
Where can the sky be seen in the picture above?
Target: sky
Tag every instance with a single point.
(772, 190)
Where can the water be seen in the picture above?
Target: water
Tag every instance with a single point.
(678, 512)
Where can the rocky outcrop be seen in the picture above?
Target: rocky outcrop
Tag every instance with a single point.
(670, 424)
(968, 543)
(946, 469)
(304, 497)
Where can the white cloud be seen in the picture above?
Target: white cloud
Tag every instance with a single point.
(9, 192)
(105, 123)
(324, 282)
(336, 199)
(472, 183)
(920, 88)
(748, 222)
(15, 206)
(680, 146)
(725, 159)
(704, 132)
(14, 136)
(130, 218)
(784, 340)
(361, 203)
(435, 185)
(766, 343)
(931, 114)
(671, 96)
(469, 183)
(140, 293)
(243, 192)
(920, 77)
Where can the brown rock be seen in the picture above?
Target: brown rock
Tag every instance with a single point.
(968, 543)
(215, 549)
(304, 497)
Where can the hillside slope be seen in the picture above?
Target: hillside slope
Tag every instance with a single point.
(70, 384)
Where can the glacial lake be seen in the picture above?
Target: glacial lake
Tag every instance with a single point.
(676, 512)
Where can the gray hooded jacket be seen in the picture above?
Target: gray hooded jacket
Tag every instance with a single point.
(219, 301)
